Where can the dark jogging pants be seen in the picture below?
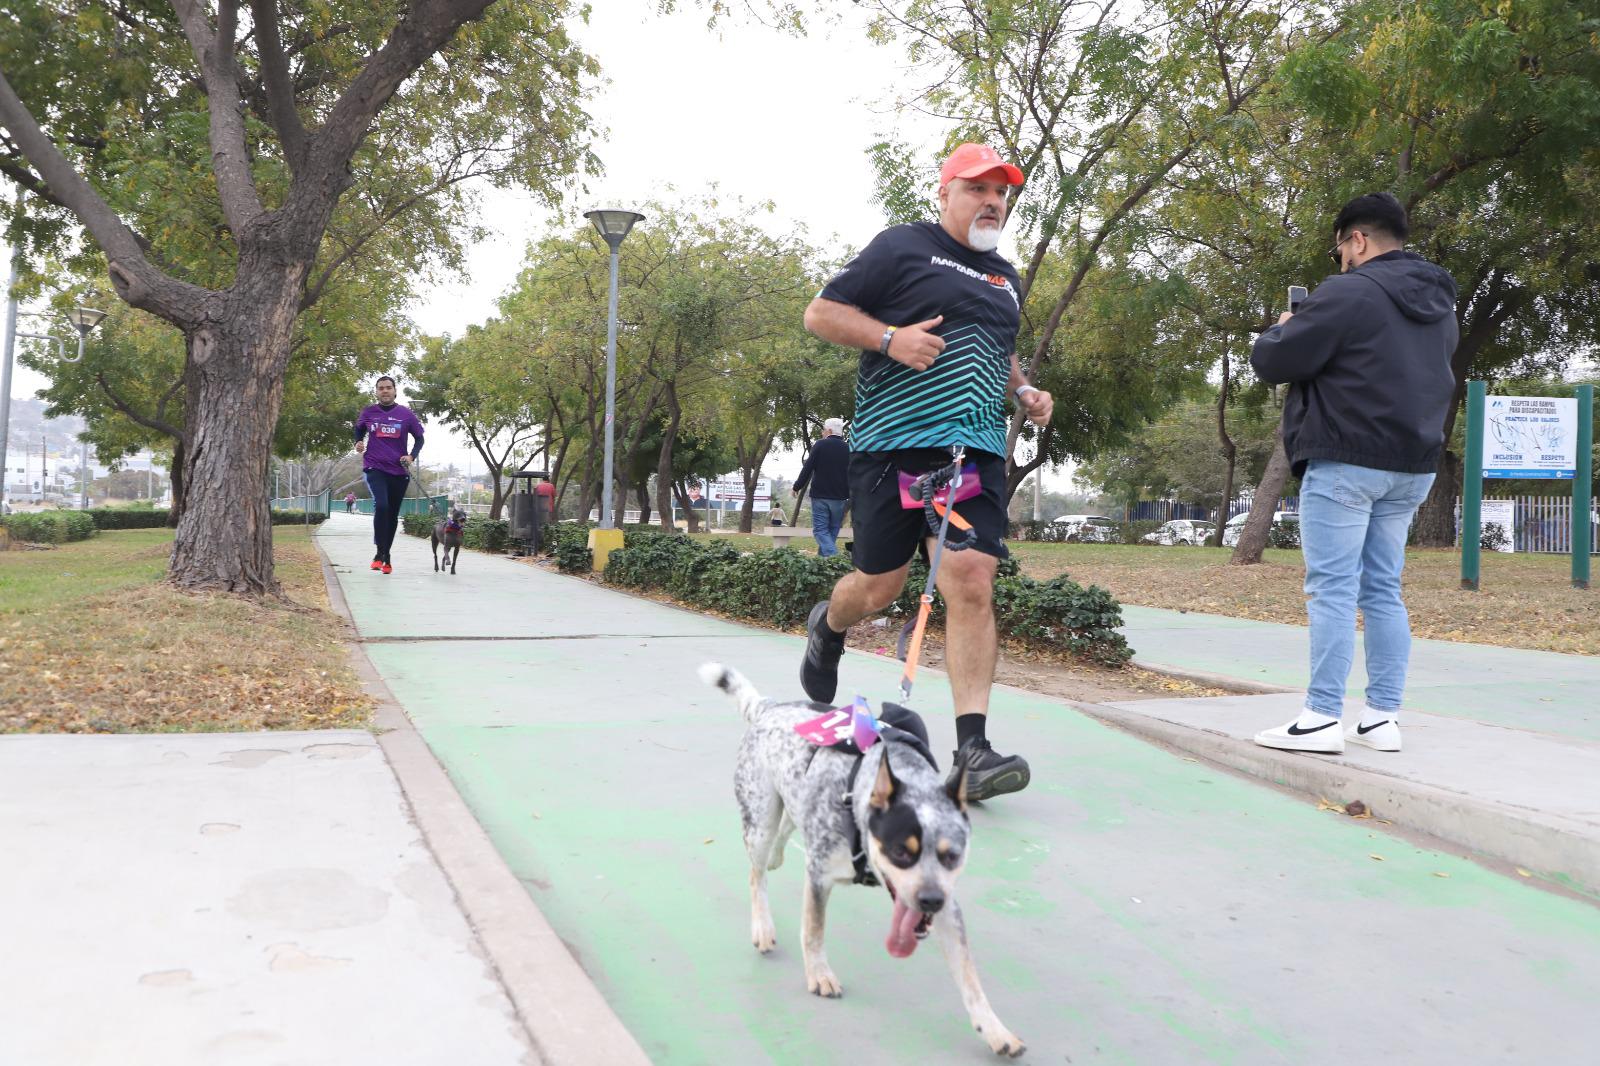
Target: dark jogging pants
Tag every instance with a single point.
(388, 491)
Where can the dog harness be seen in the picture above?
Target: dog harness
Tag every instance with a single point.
(901, 725)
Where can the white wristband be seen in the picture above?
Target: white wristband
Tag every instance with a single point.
(1022, 389)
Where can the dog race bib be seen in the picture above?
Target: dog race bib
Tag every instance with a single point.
(969, 488)
(855, 722)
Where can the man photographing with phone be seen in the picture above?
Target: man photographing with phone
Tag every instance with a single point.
(1367, 359)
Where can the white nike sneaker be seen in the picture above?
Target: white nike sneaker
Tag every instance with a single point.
(1379, 734)
(1310, 732)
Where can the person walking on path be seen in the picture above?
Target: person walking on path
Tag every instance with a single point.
(380, 435)
(827, 471)
(349, 503)
(1367, 358)
(935, 313)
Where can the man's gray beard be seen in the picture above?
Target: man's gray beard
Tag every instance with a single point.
(983, 239)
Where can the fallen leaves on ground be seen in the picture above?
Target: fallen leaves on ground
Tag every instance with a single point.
(1524, 601)
(150, 658)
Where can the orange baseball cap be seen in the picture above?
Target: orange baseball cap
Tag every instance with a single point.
(972, 160)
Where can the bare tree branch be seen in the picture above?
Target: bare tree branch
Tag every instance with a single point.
(136, 280)
(280, 91)
(230, 158)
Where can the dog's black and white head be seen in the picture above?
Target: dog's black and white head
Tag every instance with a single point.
(917, 835)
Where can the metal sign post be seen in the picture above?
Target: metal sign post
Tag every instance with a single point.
(1583, 488)
(1472, 486)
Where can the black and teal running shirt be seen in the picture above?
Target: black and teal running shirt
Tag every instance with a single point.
(909, 274)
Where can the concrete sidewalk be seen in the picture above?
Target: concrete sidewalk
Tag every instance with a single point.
(1538, 691)
(1502, 745)
(1133, 905)
(230, 898)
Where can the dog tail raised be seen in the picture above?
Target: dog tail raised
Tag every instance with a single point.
(734, 684)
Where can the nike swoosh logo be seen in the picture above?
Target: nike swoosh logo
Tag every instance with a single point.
(1294, 729)
(1365, 729)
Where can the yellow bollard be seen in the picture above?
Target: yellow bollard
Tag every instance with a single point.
(602, 542)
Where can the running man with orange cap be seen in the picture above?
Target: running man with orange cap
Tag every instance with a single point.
(935, 312)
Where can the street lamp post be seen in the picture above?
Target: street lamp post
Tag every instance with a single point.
(613, 226)
(83, 320)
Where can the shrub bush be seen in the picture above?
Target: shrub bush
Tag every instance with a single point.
(781, 585)
(296, 518)
(1134, 532)
(417, 525)
(1284, 535)
(51, 527)
(480, 532)
(127, 518)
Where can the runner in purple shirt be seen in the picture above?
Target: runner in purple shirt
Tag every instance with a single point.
(380, 435)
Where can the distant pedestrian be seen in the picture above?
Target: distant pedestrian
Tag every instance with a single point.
(349, 503)
(827, 470)
(1367, 357)
(380, 434)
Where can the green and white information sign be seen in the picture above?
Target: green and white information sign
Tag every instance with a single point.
(1526, 437)
(1530, 437)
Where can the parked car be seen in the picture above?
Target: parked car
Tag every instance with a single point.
(1235, 526)
(1085, 529)
(1181, 531)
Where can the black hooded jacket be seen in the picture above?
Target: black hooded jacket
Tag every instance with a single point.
(1368, 356)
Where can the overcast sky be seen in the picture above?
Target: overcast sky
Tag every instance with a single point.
(761, 115)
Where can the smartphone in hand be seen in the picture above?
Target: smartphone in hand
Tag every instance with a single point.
(1297, 295)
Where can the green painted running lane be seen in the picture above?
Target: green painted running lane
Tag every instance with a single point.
(1131, 906)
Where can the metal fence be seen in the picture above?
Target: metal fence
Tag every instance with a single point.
(1172, 510)
(1543, 523)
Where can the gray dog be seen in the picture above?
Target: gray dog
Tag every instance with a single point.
(884, 816)
(449, 533)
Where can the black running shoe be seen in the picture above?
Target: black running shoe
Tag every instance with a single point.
(988, 772)
(819, 670)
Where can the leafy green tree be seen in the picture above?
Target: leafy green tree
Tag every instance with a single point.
(1099, 105)
(208, 156)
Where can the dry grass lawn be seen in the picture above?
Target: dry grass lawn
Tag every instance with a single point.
(91, 641)
(1524, 601)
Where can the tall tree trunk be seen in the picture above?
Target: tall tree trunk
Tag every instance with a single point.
(664, 466)
(688, 508)
(1228, 450)
(499, 500)
(179, 484)
(1435, 524)
(642, 490)
(234, 370)
(1253, 538)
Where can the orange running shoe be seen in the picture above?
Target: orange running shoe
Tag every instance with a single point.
(388, 569)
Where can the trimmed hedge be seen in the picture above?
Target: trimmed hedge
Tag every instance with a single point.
(50, 527)
(127, 518)
(781, 585)
(294, 518)
(480, 532)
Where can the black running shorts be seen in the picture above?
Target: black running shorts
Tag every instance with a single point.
(887, 534)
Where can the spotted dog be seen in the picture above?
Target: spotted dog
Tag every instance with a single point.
(885, 816)
(450, 532)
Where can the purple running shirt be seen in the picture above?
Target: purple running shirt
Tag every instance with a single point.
(385, 430)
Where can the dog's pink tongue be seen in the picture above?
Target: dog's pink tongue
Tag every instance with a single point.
(903, 931)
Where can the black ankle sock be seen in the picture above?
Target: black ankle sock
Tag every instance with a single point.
(969, 726)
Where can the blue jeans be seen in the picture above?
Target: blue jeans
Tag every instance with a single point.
(1353, 525)
(827, 516)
